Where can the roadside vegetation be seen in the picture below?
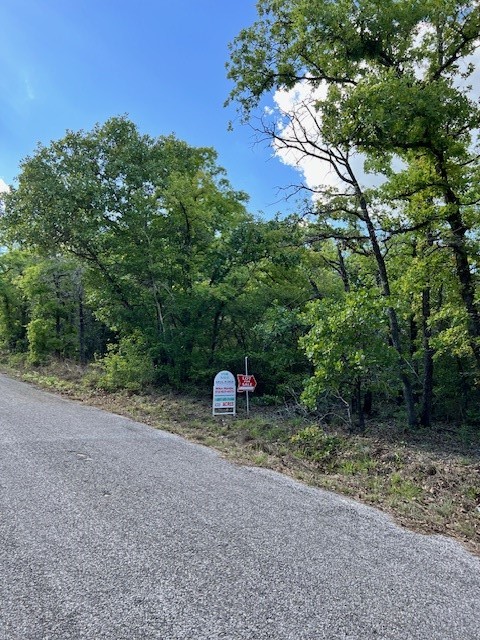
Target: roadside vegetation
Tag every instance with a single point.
(135, 258)
(428, 480)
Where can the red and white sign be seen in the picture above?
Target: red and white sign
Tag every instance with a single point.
(246, 382)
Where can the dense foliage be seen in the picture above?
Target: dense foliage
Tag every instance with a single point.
(137, 253)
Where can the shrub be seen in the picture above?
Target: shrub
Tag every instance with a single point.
(41, 340)
(127, 365)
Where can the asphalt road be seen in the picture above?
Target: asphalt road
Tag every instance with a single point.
(112, 530)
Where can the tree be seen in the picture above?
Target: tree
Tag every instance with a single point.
(346, 344)
(53, 291)
(387, 79)
(173, 264)
(13, 306)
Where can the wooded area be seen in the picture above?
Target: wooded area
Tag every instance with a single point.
(138, 254)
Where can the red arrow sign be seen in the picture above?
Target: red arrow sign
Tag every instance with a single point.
(246, 382)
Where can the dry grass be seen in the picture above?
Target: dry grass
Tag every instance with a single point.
(428, 481)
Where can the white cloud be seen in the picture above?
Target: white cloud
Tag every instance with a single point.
(28, 87)
(4, 186)
(298, 121)
(470, 84)
(465, 79)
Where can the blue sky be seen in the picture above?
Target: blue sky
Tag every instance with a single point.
(68, 64)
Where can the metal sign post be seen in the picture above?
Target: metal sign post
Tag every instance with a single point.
(246, 391)
(246, 383)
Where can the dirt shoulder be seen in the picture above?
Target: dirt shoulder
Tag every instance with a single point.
(429, 481)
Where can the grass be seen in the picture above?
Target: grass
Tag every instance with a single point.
(428, 481)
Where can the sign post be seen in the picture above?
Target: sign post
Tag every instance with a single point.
(224, 394)
(246, 383)
(246, 390)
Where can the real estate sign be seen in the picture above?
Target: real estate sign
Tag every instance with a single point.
(246, 382)
(224, 394)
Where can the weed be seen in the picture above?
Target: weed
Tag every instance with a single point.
(445, 508)
(48, 381)
(360, 465)
(401, 488)
(17, 360)
(467, 529)
(260, 459)
(297, 422)
(472, 493)
(314, 444)
(260, 429)
(266, 401)
(467, 434)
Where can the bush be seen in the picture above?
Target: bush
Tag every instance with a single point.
(41, 340)
(127, 365)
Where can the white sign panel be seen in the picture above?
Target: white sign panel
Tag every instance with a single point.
(224, 394)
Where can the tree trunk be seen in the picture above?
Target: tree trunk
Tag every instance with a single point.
(361, 415)
(217, 323)
(459, 248)
(58, 319)
(467, 288)
(427, 395)
(343, 270)
(368, 403)
(158, 307)
(81, 327)
(392, 315)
